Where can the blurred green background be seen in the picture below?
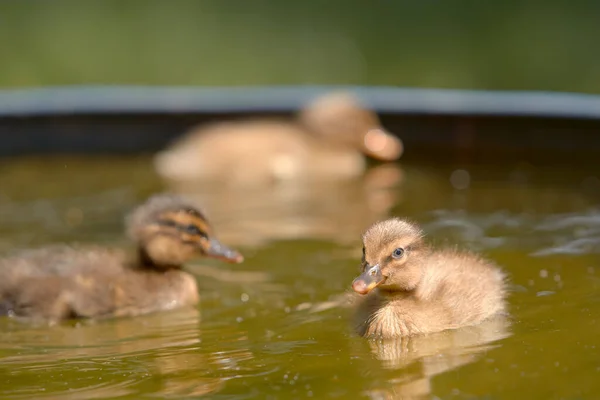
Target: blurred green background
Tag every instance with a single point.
(538, 45)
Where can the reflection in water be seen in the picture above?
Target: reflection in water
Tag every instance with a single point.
(119, 354)
(98, 339)
(432, 355)
(332, 211)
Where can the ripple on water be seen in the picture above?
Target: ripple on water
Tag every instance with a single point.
(568, 233)
(116, 358)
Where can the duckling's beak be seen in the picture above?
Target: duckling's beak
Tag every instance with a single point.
(382, 145)
(222, 252)
(368, 280)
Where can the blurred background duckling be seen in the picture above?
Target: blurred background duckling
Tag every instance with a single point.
(327, 141)
(62, 282)
(414, 289)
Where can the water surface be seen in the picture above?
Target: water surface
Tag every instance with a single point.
(271, 327)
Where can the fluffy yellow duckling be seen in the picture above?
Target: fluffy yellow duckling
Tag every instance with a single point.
(327, 141)
(414, 289)
(61, 282)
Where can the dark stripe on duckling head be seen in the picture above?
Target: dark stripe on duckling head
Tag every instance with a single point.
(175, 233)
(145, 218)
(189, 227)
(186, 221)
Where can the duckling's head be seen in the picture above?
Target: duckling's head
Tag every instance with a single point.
(170, 231)
(339, 118)
(393, 251)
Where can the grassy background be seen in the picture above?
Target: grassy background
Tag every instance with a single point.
(543, 45)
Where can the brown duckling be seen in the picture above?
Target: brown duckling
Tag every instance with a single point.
(414, 289)
(326, 141)
(61, 282)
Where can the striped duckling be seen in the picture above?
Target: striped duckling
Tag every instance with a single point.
(62, 282)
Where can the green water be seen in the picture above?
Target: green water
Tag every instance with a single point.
(270, 328)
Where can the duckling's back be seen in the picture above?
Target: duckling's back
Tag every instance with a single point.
(470, 288)
(41, 283)
(238, 152)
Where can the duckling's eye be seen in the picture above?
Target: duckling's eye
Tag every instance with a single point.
(399, 252)
(193, 230)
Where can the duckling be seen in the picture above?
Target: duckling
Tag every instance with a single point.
(414, 289)
(62, 282)
(326, 141)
